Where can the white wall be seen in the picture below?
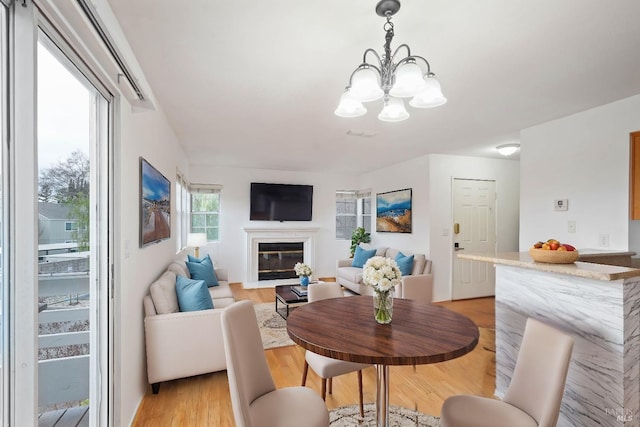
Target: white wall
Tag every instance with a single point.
(148, 135)
(230, 251)
(412, 174)
(583, 158)
(443, 169)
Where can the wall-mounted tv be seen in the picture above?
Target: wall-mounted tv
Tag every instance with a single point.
(281, 202)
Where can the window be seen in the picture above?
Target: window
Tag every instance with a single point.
(182, 211)
(205, 210)
(364, 210)
(353, 209)
(70, 226)
(346, 214)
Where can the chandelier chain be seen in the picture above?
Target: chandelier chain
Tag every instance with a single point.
(386, 76)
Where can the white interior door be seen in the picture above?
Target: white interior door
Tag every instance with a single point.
(474, 219)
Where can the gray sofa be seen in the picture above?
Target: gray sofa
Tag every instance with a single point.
(183, 344)
(417, 286)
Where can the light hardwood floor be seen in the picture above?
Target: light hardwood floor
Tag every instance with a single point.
(204, 400)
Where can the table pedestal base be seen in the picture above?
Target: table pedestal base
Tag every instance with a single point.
(382, 395)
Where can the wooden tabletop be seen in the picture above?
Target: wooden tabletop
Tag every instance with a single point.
(345, 329)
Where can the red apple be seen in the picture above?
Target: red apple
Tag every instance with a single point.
(568, 247)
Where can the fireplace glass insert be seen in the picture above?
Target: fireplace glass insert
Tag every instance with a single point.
(276, 260)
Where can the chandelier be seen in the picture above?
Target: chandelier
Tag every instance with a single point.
(389, 79)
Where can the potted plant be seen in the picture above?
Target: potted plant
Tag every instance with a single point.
(358, 236)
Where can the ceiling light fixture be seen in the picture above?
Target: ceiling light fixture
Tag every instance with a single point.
(390, 80)
(507, 149)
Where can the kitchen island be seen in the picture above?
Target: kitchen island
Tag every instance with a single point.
(599, 306)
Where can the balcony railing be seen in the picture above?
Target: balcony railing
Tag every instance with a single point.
(62, 376)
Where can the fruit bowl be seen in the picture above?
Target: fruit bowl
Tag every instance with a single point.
(553, 257)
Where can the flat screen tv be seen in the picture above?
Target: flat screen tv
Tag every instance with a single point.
(281, 202)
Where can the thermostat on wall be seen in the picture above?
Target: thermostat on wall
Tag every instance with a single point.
(561, 205)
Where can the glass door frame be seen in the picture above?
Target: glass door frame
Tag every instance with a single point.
(5, 368)
(22, 176)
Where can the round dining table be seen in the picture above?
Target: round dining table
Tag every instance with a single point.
(345, 329)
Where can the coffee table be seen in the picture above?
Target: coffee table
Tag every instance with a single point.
(286, 296)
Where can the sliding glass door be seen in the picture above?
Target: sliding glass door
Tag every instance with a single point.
(3, 223)
(59, 224)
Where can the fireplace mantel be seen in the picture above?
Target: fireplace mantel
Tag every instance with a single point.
(256, 235)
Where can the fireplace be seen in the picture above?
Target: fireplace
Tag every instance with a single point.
(258, 235)
(276, 260)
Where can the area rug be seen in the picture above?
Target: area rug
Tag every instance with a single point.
(273, 328)
(347, 416)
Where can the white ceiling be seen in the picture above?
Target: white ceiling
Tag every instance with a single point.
(254, 83)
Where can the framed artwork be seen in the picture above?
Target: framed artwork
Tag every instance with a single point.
(393, 211)
(155, 205)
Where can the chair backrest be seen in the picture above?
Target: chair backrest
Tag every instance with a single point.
(538, 380)
(320, 291)
(247, 368)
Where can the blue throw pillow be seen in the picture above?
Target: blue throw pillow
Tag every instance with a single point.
(199, 260)
(405, 264)
(203, 270)
(193, 295)
(361, 256)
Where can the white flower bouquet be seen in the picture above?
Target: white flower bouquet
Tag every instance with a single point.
(302, 269)
(383, 275)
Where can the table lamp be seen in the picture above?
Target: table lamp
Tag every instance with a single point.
(196, 240)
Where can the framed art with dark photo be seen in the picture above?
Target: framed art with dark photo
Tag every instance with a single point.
(155, 205)
(393, 211)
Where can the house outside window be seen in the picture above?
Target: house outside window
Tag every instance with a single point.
(205, 210)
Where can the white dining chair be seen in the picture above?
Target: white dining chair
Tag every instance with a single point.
(255, 400)
(535, 392)
(326, 367)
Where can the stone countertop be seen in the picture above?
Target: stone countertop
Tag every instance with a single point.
(586, 253)
(580, 269)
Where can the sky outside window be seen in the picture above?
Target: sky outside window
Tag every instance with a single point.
(63, 112)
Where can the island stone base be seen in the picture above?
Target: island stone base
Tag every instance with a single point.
(603, 384)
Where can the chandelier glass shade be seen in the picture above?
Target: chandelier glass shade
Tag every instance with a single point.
(390, 78)
(349, 107)
(393, 110)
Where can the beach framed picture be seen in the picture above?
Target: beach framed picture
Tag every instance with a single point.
(155, 205)
(393, 211)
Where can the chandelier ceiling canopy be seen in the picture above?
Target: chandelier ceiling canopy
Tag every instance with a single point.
(390, 78)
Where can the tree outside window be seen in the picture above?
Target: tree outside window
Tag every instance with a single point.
(205, 215)
(67, 182)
